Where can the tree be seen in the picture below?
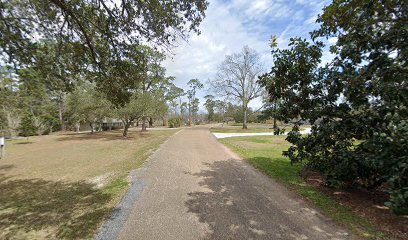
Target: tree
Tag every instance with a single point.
(103, 27)
(193, 102)
(237, 78)
(86, 105)
(183, 109)
(28, 127)
(141, 104)
(210, 105)
(360, 96)
(220, 108)
(267, 80)
(10, 114)
(174, 96)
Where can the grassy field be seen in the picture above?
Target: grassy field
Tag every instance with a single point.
(64, 186)
(265, 153)
(252, 128)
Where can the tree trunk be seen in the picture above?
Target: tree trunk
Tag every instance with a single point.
(77, 127)
(275, 125)
(144, 129)
(164, 121)
(126, 129)
(150, 122)
(92, 129)
(244, 123)
(189, 113)
(61, 117)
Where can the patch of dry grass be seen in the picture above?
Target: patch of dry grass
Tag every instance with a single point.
(63, 186)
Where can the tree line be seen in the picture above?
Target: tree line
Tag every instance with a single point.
(85, 61)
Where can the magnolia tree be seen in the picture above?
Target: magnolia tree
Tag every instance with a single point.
(357, 104)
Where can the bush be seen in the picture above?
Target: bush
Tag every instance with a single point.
(378, 160)
(175, 122)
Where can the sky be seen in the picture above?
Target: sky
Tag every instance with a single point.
(229, 25)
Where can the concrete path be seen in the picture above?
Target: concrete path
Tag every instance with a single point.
(226, 135)
(195, 188)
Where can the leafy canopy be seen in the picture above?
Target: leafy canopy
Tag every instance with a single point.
(357, 103)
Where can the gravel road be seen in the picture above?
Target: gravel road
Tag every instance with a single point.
(194, 188)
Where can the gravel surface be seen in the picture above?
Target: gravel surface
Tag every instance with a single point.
(195, 188)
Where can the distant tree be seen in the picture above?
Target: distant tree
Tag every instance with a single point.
(194, 109)
(220, 110)
(237, 78)
(267, 79)
(10, 113)
(210, 104)
(174, 95)
(27, 126)
(141, 104)
(183, 110)
(37, 99)
(86, 105)
(194, 85)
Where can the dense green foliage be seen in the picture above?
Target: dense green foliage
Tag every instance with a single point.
(358, 104)
(175, 122)
(102, 30)
(27, 126)
(209, 104)
(52, 47)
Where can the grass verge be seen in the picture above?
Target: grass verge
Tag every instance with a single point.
(265, 153)
(64, 186)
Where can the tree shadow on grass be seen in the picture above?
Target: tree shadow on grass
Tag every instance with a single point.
(23, 143)
(108, 136)
(30, 206)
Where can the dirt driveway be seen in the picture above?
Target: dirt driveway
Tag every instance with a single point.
(195, 188)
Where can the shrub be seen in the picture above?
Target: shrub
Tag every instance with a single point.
(175, 122)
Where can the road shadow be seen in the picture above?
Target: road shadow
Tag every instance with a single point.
(72, 209)
(226, 208)
(240, 204)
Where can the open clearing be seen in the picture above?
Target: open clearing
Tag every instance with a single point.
(265, 153)
(63, 186)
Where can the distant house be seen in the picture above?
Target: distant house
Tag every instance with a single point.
(107, 125)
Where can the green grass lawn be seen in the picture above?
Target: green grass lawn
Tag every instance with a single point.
(64, 186)
(265, 153)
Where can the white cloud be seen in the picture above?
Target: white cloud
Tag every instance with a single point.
(230, 25)
(332, 40)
